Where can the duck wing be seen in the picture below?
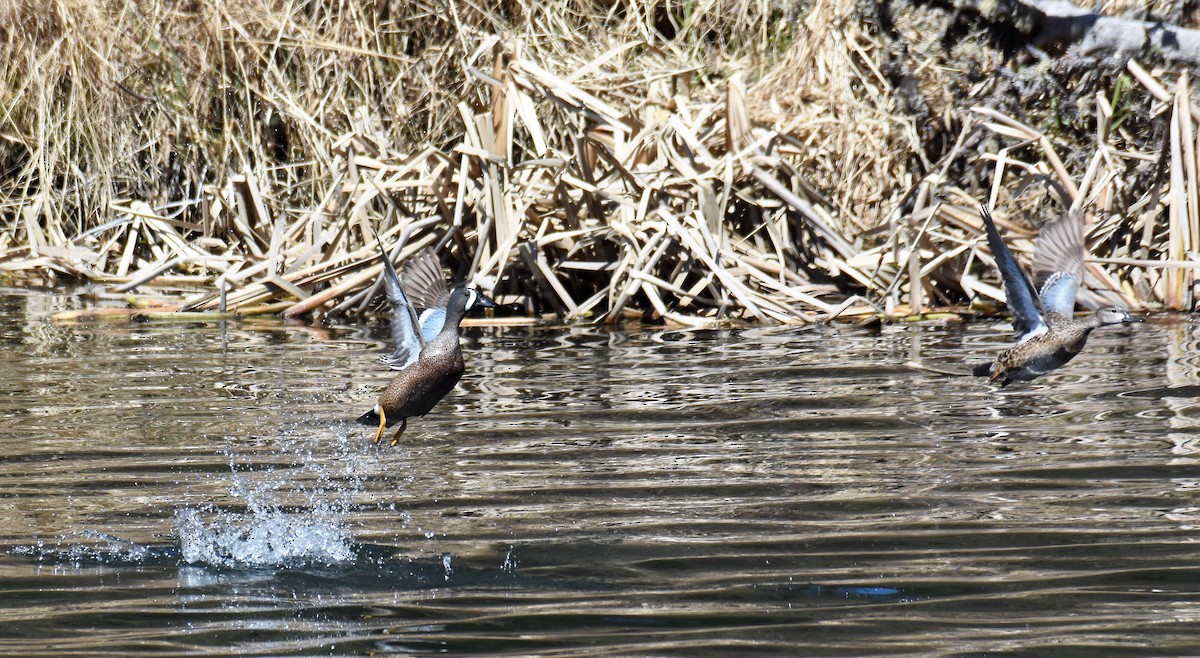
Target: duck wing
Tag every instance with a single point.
(1058, 262)
(424, 281)
(432, 320)
(1029, 319)
(407, 342)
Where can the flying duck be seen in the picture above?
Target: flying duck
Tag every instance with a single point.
(1048, 334)
(425, 348)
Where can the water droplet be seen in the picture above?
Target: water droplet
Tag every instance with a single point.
(510, 561)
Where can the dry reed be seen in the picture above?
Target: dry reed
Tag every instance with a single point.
(612, 171)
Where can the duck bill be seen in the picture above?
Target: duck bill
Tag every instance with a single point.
(1133, 318)
(483, 301)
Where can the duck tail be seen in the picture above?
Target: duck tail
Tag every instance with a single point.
(981, 370)
(369, 418)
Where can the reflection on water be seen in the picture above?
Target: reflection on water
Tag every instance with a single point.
(797, 491)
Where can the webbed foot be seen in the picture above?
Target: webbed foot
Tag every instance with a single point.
(382, 426)
(396, 436)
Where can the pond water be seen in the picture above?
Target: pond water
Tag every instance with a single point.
(202, 489)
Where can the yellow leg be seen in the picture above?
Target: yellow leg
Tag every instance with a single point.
(396, 436)
(382, 426)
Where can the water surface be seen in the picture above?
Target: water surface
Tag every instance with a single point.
(202, 490)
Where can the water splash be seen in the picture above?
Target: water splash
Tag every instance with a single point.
(294, 515)
(510, 561)
(91, 548)
(295, 512)
(265, 536)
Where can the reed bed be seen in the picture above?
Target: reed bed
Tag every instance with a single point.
(613, 172)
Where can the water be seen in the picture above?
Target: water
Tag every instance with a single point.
(202, 490)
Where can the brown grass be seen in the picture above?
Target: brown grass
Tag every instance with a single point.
(735, 161)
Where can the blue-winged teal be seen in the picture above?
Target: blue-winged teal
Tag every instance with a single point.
(429, 367)
(1048, 336)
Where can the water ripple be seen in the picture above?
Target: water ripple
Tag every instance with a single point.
(769, 490)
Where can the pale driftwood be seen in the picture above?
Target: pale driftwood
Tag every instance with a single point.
(1050, 22)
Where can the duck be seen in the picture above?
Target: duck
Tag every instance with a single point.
(426, 352)
(1047, 332)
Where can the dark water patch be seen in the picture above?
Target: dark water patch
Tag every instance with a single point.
(1188, 392)
(1086, 473)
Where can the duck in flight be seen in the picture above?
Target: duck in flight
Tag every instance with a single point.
(425, 346)
(1048, 334)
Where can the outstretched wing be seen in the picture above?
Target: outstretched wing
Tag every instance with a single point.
(1028, 318)
(1058, 262)
(424, 281)
(407, 341)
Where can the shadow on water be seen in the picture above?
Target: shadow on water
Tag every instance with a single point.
(203, 489)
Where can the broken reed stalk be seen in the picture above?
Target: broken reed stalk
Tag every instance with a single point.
(600, 194)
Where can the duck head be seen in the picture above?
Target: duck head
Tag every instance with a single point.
(469, 298)
(1114, 315)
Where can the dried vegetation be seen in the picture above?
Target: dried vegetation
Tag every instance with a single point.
(736, 160)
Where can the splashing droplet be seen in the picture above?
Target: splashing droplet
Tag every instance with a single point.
(510, 561)
(273, 532)
(263, 537)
